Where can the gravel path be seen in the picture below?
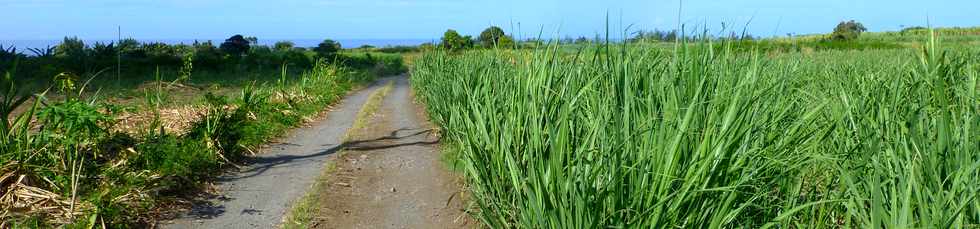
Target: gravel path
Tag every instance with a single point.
(390, 174)
(259, 194)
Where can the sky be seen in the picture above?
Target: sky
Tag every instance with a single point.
(428, 19)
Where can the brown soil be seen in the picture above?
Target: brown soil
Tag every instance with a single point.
(390, 175)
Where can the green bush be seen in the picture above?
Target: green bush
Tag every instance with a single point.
(847, 30)
(398, 49)
(495, 37)
(452, 41)
(284, 45)
(296, 58)
(207, 56)
(9, 56)
(327, 49)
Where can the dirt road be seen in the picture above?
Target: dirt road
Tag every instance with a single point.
(259, 194)
(390, 175)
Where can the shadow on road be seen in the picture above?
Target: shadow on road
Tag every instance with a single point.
(209, 206)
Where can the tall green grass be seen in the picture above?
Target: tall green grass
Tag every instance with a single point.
(614, 136)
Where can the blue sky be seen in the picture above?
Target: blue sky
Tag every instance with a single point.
(425, 19)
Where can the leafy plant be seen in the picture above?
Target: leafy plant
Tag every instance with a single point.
(452, 41)
(327, 49)
(848, 30)
(9, 55)
(16, 139)
(494, 36)
(184, 74)
(42, 52)
(284, 45)
(205, 55)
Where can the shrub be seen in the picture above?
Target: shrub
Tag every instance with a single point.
(848, 30)
(451, 40)
(327, 49)
(297, 58)
(72, 50)
(206, 55)
(103, 55)
(8, 55)
(71, 47)
(285, 45)
(494, 37)
(505, 42)
(260, 56)
(128, 45)
(398, 49)
(158, 54)
(428, 46)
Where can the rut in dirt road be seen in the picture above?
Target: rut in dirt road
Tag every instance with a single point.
(259, 194)
(390, 174)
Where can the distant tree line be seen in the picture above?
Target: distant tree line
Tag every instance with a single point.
(235, 53)
(657, 35)
(844, 31)
(491, 37)
(495, 37)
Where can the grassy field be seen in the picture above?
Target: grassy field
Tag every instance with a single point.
(715, 135)
(102, 152)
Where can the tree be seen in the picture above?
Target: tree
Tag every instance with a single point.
(468, 41)
(327, 49)
(848, 30)
(235, 46)
(285, 45)
(658, 35)
(451, 40)
(492, 37)
(71, 47)
(74, 53)
(102, 51)
(128, 45)
(206, 55)
(252, 40)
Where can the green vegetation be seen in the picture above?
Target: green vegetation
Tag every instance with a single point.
(848, 30)
(66, 159)
(452, 41)
(712, 135)
(491, 37)
(495, 37)
(327, 49)
(128, 64)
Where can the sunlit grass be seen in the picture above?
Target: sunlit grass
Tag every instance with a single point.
(617, 136)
